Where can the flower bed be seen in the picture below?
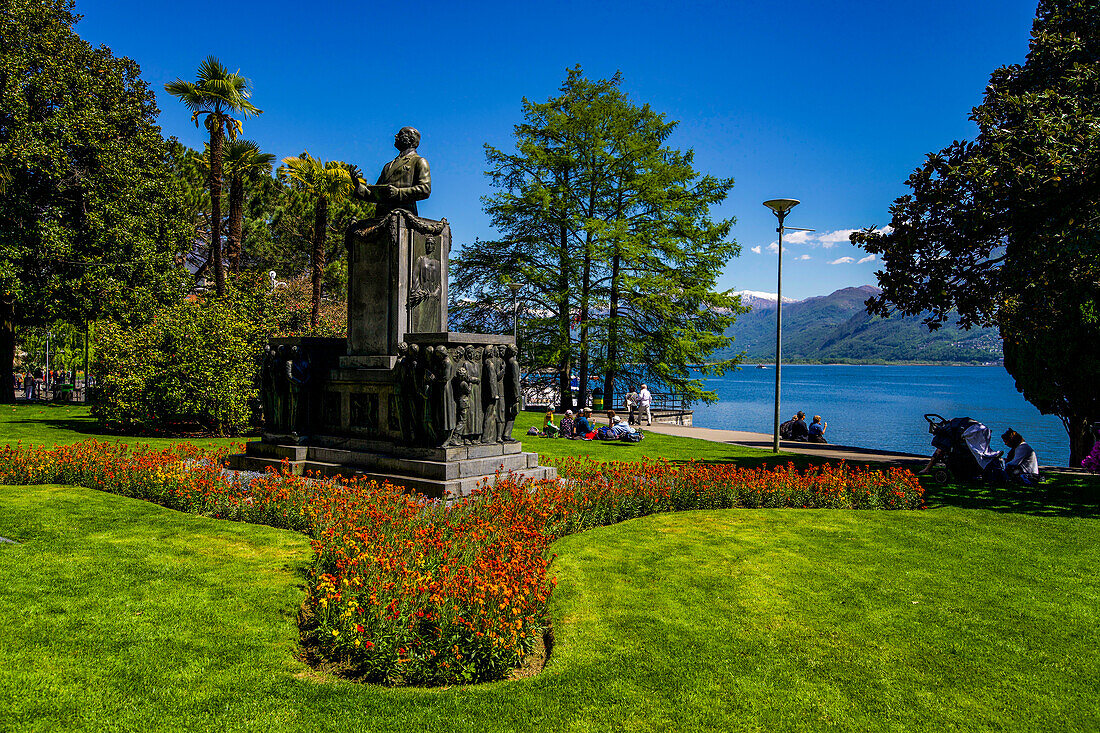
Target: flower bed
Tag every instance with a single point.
(404, 590)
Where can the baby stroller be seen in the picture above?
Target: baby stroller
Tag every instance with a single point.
(963, 445)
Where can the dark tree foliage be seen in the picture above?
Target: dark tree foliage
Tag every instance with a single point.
(1005, 229)
(89, 221)
(606, 233)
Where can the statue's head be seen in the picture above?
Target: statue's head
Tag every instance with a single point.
(490, 352)
(510, 351)
(429, 244)
(414, 349)
(406, 137)
(402, 348)
(460, 353)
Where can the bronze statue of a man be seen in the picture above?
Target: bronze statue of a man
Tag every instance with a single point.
(404, 180)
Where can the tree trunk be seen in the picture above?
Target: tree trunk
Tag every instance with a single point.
(320, 225)
(612, 366)
(7, 349)
(586, 290)
(87, 351)
(1081, 438)
(565, 365)
(236, 222)
(216, 139)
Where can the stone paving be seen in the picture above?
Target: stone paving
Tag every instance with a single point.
(764, 441)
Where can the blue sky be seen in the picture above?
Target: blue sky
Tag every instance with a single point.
(832, 103)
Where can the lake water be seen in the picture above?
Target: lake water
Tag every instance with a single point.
(882, 406)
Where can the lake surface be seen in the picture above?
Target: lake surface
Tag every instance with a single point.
(882, 406)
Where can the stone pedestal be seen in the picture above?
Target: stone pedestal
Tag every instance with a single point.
(376, 403)
(439, 473)
(350, 421)
(395, 285)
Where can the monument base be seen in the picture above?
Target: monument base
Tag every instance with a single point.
(438, 473)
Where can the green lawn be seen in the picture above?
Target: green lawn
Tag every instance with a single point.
(54, 424)
(50, 424)
(122, 615)
(980, 613)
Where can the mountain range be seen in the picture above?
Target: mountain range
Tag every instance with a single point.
(837, 328)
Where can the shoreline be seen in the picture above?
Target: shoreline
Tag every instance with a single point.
(771, 364)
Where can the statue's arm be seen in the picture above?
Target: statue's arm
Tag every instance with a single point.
(420, 190)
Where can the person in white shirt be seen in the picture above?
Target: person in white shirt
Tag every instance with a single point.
(644, 401)
(620, 428)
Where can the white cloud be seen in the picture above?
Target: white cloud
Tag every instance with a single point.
(804, 257)
(843, 261)
(868, 258)
(825, 240)
(757, 249)
(799, 237)
(774, 247)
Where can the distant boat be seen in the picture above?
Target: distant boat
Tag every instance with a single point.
(761, 366)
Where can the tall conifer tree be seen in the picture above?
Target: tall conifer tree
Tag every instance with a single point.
(607, 230)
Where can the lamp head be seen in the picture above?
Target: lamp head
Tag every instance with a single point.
(781, 206)
(514, 287)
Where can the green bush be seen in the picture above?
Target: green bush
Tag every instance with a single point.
(195, 361)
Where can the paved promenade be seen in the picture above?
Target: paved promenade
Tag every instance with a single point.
(764, 441)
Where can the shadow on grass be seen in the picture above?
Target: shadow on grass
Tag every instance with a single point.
(84, 426)
(1060, 495)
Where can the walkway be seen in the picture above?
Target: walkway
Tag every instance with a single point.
(764, 442)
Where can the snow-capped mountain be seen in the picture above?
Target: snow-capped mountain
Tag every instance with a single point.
(759, 300)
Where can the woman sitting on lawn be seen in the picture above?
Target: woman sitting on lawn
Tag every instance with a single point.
(567, 426)
(1021, 464)
(549, 429)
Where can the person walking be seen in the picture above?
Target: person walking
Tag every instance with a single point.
(645, 400)
(630, 402)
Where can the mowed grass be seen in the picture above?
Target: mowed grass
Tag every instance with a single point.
(49, 424)
(121, 615)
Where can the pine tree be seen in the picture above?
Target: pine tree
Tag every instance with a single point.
(607, 231)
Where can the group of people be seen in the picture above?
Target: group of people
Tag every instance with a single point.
(35, 383)
(797, 429)
(583, 426)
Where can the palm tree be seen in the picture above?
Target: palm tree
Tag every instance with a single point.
(325, 181)
(215, 95)
(243, 162)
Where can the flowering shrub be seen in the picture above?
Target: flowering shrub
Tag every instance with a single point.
(1091, 462)
(405, 590)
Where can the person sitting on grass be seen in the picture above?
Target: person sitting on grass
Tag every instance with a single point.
(583, 425)
(568, 425)
(611, 418)
(549, 429)
(817, 430)
(619, 427)
(1021, 464)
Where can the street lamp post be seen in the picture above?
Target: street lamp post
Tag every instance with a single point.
(780, 207)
